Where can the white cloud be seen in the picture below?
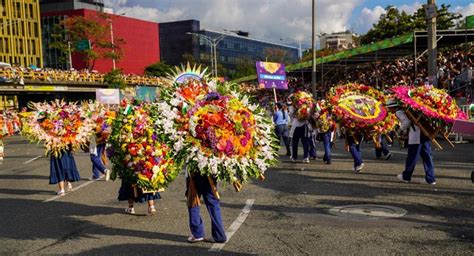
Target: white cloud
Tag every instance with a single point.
(465, 10)
(368, 17)
(264, 19)
(410, 9)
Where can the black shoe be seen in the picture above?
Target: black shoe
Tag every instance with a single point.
(288, 154)
(328, 162)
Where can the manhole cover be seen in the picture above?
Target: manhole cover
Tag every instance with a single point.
(370, 211)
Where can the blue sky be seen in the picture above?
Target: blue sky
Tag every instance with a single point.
(275, 19)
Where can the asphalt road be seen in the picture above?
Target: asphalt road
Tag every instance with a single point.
(290, 214)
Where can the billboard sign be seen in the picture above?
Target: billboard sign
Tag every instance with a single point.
(271, 75)
(108, 96)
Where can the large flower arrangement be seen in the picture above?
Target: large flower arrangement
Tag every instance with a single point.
(303, 103)
(60, 125)
(360, 107)
(220, 135)
(323, 117)
(432, 102)
(102, 116)
(138, 153)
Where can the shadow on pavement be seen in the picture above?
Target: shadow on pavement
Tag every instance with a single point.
(151, 249)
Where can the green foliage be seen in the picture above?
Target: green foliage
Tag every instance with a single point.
(114, 79)
(395, 23)
(159, 69)
(96, 29)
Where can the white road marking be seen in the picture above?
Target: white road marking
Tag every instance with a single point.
(235, 225)
(74, 189)
(31, 160)
(399, 152)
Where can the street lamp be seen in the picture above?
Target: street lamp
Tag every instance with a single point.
(213, 44)
(112, 39)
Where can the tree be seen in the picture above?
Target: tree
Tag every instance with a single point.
(395, 23)
(158, 69)
(189, 58)
(245, 67)
(96, 30)
(114, 79)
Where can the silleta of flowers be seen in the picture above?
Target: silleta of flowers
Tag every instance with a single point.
(102, 118)
(361, 107)
(60, 125)
(324, 120)
(220, 135)
(432, 102)
(139, 154)
(303, 103)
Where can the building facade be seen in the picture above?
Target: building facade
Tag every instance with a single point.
(20, 33)
(140, 49)
(180, 39)
(338, 41)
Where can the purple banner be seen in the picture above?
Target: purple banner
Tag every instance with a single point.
(463, 126)
(271, 75)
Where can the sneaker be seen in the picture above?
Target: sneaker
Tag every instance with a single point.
(288, 154)
(359, 167)
(306, 160)
(313, 158)
(130, 210)
(61, 192)
(328, 162)
(388, 155)
(292, 159)
(107, 174)
(69, 186)
(151, 210)
(400, 177)
(192, 239)
(423, 181)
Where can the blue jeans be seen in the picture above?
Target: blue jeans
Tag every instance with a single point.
(212, 203)
(301, 132)
(414, 152)
(354, 148)
(312, 146)
(383, 149)
(97, 165)
(281, 131)
(327, 146)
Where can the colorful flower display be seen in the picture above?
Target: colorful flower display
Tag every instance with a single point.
(432, 102)
(60, 125)
(303, 103)
(102, 117)
(220, 135)
(324, 120)
(138, 153)
(361, 107)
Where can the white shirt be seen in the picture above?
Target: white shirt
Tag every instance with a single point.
(405, 123)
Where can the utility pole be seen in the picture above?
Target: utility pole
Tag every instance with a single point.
(430, 10)
(313, 37)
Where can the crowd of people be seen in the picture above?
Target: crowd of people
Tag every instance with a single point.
(19, 75)
(454, 75)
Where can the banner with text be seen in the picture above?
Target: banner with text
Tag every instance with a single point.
(108, 96)
(271, 75)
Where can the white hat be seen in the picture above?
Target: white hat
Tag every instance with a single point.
(391, 103)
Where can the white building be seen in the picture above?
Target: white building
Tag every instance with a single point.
(339, 40)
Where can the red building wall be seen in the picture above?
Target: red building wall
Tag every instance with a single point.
(141, 47)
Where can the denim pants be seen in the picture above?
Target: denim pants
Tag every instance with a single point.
(354, 148)
(383, 149)
(301, 132)
(196, 224)
(327, 146)
(281, 131)
(97, 165)
(414, 152)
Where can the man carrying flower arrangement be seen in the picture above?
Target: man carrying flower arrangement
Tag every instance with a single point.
(418, 146)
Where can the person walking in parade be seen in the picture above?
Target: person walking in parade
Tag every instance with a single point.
(280, 118)
(419, 145)
(353, 140)
(198, 185)
(97, 154)
(381, 147)
(132, 194)
(63, 170)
